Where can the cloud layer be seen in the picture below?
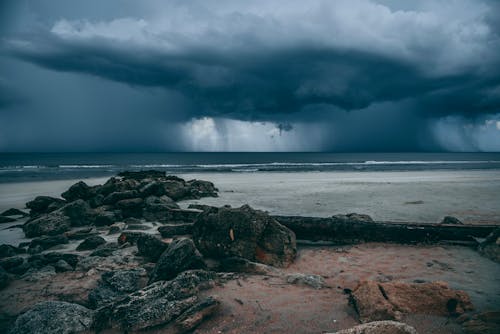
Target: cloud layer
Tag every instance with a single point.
(359, 66)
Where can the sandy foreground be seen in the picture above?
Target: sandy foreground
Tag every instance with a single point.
(267, 303)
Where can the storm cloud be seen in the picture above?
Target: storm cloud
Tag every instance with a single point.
(362, 75)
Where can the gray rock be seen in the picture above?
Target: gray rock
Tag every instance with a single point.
(449, 220)
(155, 305)
(9, 250)
(54, 317)
(11, 262)
(181, 255)
(44, 204)
(315, 281)
(158, 208)
(4, 219)
(116, 228)
(195, 315)
(244, 232)
(47, 224)
(200, 188)
(79, 212)
(35, 275)
(91, 243)
(79, 190)
(114, 197)
(171, 230)
(150, 246)
(380, 327)
(241, 265)
(4, 278)
(131, 207)
(46, 242)
(490, 247)
(13, 212)
(124, 280)
(62, 266)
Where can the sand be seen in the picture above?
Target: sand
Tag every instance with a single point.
(472, 196)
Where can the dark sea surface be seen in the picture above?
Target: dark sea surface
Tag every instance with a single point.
(21, 167)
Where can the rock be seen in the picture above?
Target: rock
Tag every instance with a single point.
(177, 189)
(4, 278)
(380, 327)
(9, 250)
(244, 232)
(11, 262)
(105, 251)
(153, 188)
(131, 207)
(54, 317)
(315, 281)
(150, 246)
(79, 212)
(353, 217)
(158, 208)
(117, 185)
(13, 212)
(62, 266)
(6, 220)
(37, 274)
(482, 323)
(117, 283)
(81, 233)
(449, 220)
(195, 315)
(387, 301)
(79, 190)
(47, 242)
(171, 230)
(156, 305)
(241, 265)
(180, 255)
(44, 204)
(490, 247)
(107, 218)
(144, 174)
(116, 228)
(47, 224)
(130, 237)
(125, 280)
(116, 196)
(200, 188)
(91, 243)
(53, 257)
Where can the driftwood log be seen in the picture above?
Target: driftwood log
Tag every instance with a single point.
(348, 231)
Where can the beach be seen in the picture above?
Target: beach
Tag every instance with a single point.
(101, 229)
(407, 196)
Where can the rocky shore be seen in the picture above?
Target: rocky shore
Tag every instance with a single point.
(125, 257)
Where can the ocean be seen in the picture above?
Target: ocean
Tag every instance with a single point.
(22, 167)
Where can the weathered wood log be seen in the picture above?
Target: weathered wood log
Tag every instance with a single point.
(342, 230)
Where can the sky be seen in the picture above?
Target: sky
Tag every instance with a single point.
(264, 75)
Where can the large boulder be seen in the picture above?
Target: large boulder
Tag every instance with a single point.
(150, 246)
(158, 304)
(171, 230)
(388, 301)
(380, 327)
(79, 213)
(131, 207)
(54, 317)
(13, 212)
(117, 283)
(47, 224)
(244, 232)
(44, 204)
(4, 278)
(158, 208)
(180, 255)
(79, 190)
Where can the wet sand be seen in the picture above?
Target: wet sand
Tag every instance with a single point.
(472, 196)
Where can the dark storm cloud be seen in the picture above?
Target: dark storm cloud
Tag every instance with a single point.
(370, 69)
